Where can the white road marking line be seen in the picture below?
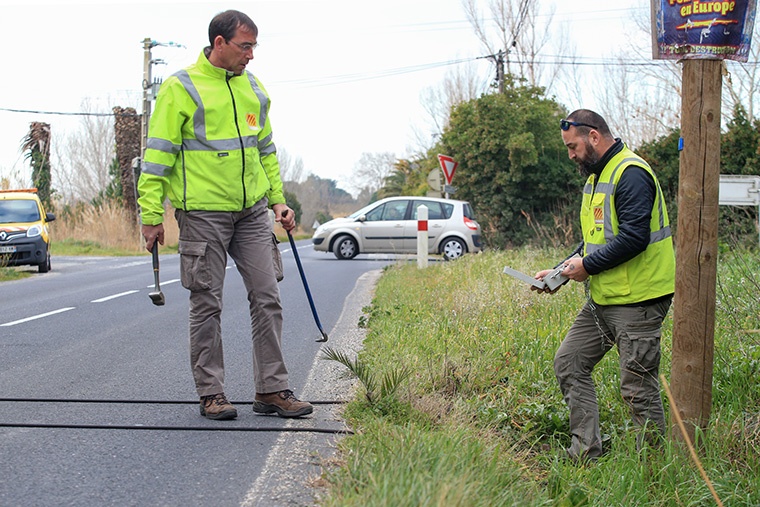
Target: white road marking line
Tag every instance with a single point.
(48, 314)
(108, 298)
(299, 248)
(163, 283)
(131, 264)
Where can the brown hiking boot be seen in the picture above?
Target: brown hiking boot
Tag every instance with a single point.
(217, 407)
(284, 403)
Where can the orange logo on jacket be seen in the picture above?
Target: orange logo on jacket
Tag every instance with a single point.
(251, 120)
(599, 215)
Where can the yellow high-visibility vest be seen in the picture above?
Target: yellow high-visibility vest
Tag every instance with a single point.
(209, 144)
(650, 274)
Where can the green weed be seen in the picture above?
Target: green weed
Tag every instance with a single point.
(480, 346)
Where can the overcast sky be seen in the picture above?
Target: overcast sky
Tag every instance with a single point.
(345, 76)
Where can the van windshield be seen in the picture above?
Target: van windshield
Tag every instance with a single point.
(18, 211)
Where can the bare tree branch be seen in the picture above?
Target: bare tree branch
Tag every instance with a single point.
(84, 157)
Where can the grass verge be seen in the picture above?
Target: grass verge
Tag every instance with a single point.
(481, 421)
(7, 274)
(71, 246)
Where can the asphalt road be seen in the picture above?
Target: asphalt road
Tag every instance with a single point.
(88, 331)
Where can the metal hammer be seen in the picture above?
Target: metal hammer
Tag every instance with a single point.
(156, 296)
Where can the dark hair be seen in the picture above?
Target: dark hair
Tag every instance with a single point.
(591, 118)
(226, 24)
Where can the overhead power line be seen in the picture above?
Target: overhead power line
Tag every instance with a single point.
(366, 76)
(60, 113)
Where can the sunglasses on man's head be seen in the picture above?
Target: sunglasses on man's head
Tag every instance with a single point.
(565, 125)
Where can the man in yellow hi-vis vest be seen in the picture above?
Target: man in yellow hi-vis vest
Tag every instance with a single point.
(210, 151)
(629, 263)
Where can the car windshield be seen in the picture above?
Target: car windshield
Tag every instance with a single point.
(18, 211)
(366, 209)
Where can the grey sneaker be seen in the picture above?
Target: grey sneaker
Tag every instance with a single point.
(283, 403)
(216, 406)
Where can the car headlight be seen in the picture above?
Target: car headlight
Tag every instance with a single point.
(34, 231)
(319, 230)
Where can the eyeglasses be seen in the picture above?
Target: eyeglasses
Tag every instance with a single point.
(565, 124)
(245, 47)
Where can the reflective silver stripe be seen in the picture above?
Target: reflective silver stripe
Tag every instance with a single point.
(661, 200)
(208, 145)
(156, 169)
(267, 150)
(199, 117)
(201, 142)
(266, 146)
(162, 145)
(265, 141)
(588, 189)
(654, 237)
(593, 247)
(219, 144)
(609, 189)
(605, 188)
(263, 99)
(660, 235)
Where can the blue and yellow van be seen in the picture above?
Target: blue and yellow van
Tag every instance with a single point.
(24, 236)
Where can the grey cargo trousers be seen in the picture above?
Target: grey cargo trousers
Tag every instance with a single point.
(636, 332)
(205, 238)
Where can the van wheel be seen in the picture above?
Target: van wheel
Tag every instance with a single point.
(44, 267)
(453, 248)
(345, 248)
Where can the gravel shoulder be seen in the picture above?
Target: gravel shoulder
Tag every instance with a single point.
(293, 468)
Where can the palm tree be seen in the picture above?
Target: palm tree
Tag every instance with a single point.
(37, 144)
(127, 133)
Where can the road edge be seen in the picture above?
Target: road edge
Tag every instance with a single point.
(295, 458)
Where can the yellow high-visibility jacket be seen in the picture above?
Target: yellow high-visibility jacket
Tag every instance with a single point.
(650, 274)
(209, 144)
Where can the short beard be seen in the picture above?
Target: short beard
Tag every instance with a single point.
(586, 168)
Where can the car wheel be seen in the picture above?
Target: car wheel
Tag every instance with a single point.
(453, 248)
(45, 266)
(345, 248)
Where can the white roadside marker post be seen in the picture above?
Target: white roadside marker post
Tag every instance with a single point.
(422, 236)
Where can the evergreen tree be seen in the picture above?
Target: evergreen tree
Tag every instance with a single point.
(514, 168)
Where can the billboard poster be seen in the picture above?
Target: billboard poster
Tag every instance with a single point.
(720, 29)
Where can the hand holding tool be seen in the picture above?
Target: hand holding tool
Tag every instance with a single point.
(306, 286)
(156, 296)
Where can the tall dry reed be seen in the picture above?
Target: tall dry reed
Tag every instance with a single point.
(108, 225)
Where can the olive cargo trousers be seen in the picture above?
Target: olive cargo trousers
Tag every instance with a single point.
(205, 238)
(636, 332)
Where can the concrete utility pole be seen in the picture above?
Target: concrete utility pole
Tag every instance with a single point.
(500, 70)
(146, 85)
(697, 244)
(498, 60)
(150, 88)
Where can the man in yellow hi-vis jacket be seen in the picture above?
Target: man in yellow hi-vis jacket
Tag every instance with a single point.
(210, 151)
(629, 263)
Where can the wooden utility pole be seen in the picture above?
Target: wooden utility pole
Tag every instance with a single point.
(697, 243)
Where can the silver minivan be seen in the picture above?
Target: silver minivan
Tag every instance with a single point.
(390, 226)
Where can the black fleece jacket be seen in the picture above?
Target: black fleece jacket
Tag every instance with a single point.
(634, 198)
